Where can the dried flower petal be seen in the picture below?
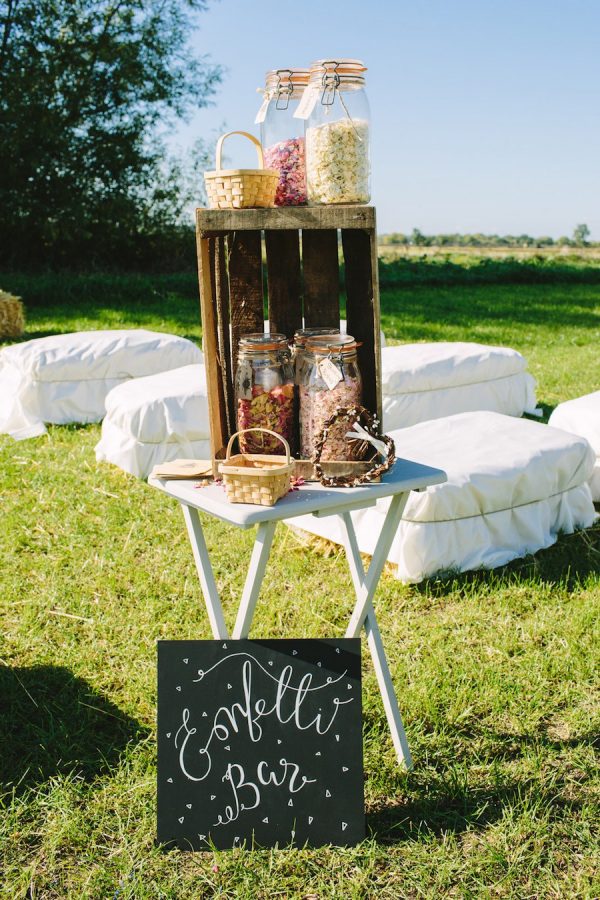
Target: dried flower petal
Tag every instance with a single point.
(288, 158)
(337, 162)
(272, 409)
(316, 406)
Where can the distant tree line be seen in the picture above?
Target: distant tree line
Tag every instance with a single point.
(579, 238)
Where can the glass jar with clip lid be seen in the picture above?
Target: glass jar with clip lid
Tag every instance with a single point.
(336, 110)
(299, 345)
(264, 392)
(329, 379)
(282, 135)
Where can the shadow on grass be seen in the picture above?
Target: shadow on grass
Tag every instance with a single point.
(445, 810)
(568, 563)
(445, 803)
(52, 723)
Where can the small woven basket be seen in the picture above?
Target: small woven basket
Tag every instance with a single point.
(256, 478)
(241, 188)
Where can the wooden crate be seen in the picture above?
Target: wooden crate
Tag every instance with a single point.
(301, 250)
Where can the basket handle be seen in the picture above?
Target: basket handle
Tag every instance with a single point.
(268, 431)
(255, 141)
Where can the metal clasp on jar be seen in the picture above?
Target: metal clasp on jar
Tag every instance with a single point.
(284, 91)
(330, 82)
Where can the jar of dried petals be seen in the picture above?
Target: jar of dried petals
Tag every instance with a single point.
(336, 110)
(282, 135)
(265, 392)
(329, 379)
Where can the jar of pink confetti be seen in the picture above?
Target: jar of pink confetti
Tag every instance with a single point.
(282, 135)
(265, 392)
(329, 379)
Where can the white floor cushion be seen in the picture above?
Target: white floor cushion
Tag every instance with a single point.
(435, 379)
(156, 419)
(582, 416)
(66, 377)
(512, 486)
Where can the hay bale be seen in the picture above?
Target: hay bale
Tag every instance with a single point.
(12, 318)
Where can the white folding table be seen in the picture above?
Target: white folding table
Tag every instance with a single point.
(405, 476)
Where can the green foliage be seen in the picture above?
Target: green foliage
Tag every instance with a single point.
(581, 234)
(418, 239)
(84, 87)
(496, 672)
(445, 270)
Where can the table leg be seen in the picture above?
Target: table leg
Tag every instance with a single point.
(256, 572)
(205, 572)
(364, 614)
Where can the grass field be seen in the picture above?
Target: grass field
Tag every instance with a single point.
(496, 673)
(585, 255)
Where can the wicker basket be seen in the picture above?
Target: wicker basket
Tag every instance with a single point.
(241, 188)
(256, 477)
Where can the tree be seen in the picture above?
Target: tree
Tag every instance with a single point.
(417, 238)
(85, 86)
(581, 234)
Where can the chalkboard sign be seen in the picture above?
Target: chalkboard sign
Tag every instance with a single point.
(259, 743)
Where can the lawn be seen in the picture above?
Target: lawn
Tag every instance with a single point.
(496, 673)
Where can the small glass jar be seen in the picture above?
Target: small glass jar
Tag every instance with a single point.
(330, 378)
(282, 135)
(300, 338)
(265, 392)
(338, 166)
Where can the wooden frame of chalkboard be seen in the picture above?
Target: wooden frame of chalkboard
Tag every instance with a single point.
(259, 743)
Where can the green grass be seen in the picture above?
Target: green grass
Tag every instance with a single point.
(496, 673)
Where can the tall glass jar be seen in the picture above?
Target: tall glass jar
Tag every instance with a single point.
(282, 135)
(338, 166)
(298, 347)
(265, 392)
(330, 378)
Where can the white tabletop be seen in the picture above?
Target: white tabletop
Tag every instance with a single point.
(405, 475)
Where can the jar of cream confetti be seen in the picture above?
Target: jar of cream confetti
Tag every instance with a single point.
(336, 110)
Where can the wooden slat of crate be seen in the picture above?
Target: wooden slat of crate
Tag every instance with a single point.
(284, 282)
(320, 266)
(223, 329)
(215, 378)
(362, 309)
(245, 286)
(209, 221)
(235, 290)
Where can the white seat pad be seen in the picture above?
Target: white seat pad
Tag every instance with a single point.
(156, 419)
(582, 416)
(431, 380)
(65, 378)
(512, 486)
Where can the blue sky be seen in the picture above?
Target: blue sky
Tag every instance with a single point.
(485, 115)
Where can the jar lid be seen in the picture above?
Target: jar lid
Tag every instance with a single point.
(257, 342)
(343, 69)
(286, 80)
(302, 334)
(332, 343)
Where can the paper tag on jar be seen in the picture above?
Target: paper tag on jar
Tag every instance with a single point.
(307, 103)
(330, 373)
(262, 112)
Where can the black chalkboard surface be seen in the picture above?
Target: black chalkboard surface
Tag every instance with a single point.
(259, 743)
